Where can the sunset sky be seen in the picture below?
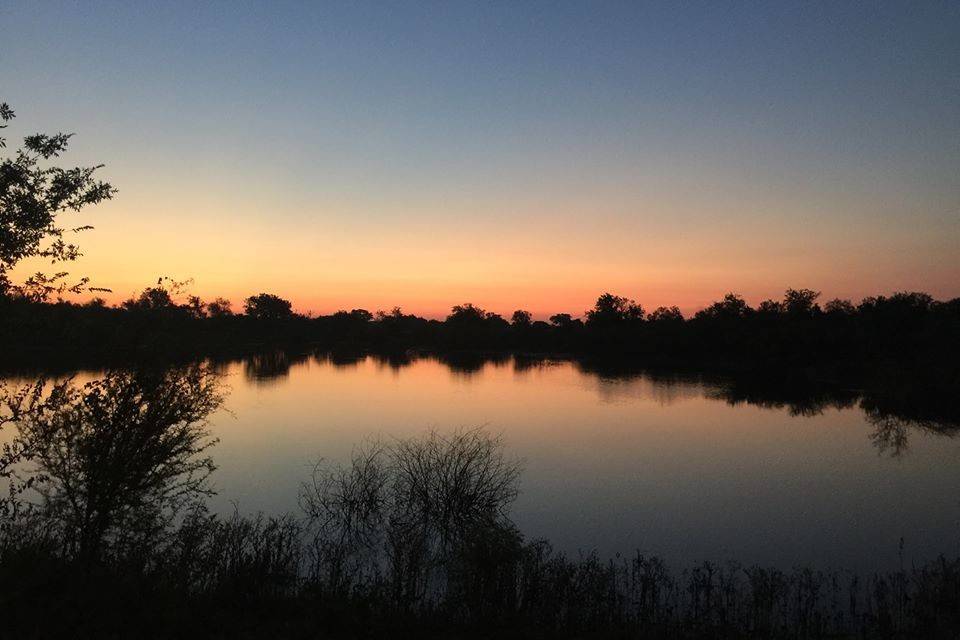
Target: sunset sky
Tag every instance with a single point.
(511, 154)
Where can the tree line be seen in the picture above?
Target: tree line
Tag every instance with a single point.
(909, 329)
(906, 332)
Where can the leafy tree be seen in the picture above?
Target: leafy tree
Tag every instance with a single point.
(394, 314)
(770, 308)
(561, 320)
(219, 308)
(611, 309)
(361, 315)
(32, 198)
(905, 302)
(666, 314)
(266, 306)
(355, 317)
(838, 307)
(467, 313)
(732, 306)
(521, 318)
(196, 306)
(801, 302)
(159, 297)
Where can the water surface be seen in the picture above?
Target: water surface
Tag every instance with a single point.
(668, 466)
(681, 467)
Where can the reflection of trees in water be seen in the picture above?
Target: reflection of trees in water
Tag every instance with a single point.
(893, 417)
(524, 364)
(799, 398)
(889, 434)
(409, 532)
(344, 359)
(394, 361)
(891, 431)
(270, 366)
(893, 414)
(665, 392)
(620, 381)
(469, 364)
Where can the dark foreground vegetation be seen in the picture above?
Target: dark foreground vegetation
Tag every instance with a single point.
(878, 342)
(104, 533)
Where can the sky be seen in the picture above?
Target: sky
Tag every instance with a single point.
(511, 154)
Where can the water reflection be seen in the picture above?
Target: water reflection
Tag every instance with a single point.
(340, 359)
(686, 464)
(413, 531)
(468, 364)
(891, 429)
(797, 398)
(271, 366)
(893, 415)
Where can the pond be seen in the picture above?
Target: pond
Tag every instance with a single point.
(687, 468)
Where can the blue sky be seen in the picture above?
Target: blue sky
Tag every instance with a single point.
(431, 151)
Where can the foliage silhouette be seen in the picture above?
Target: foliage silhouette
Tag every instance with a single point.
(32, 198)
(882, 342)
(613, 310)
(407, 510)
(117, 458)
(266, 306)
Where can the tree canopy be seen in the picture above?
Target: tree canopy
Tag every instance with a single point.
(33, 195)
(266, 306)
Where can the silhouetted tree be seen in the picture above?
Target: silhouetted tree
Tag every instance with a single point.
(838, 307)
(361, 315)
(611, 310)
(32, 198)
(561, 320)
(732, 307)
(161, 297)
(151, 299)
(901, 304)
(770, 308)
(395, 314)
(196, 307)
(801, 302)
(219, 308)
(521, 319)
(118, 457)
(466, 313)
(266, 306)
(666, 314)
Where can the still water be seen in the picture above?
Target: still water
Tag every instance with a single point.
(613, 463)
(684, 468)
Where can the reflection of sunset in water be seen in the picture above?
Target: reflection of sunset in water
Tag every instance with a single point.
(670, 466)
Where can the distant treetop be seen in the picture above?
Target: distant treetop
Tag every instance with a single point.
(266, 306)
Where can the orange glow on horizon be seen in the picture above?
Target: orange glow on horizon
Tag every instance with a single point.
(439, 257)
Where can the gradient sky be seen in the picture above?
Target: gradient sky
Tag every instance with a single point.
(513, 154)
